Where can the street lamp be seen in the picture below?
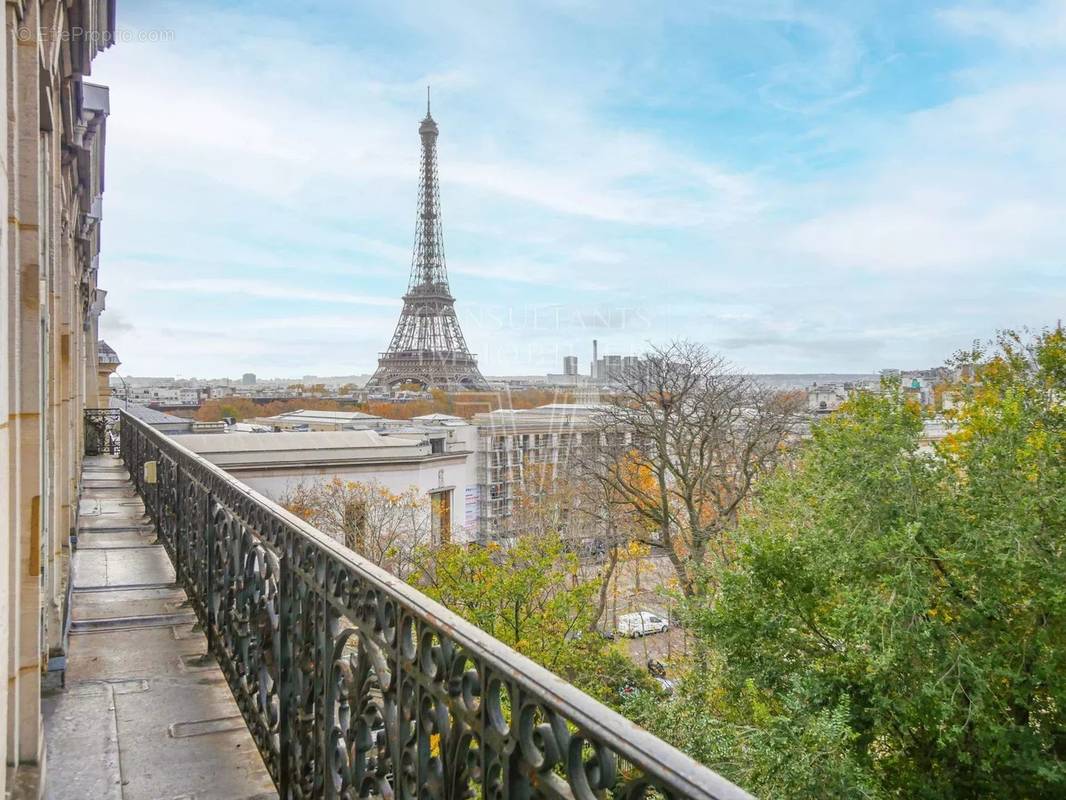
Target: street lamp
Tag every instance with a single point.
(126, 389)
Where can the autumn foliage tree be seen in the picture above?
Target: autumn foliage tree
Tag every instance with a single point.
(466, 404)
(591, 519)
(684, 441)
(383, 526)
(241, 408)
(460, 404)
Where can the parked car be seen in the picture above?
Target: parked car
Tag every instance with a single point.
(641, 623)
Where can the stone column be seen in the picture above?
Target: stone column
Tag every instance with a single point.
(7, 375)
(56, 363)
(24, 702)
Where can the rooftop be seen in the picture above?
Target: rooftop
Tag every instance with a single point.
(549, 416)
(269, 450)
(205, 444)
(106, 354)
(438, 418)
(331, 416)
(151, 416)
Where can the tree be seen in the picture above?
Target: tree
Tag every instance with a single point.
(218, 409)
(586, 513)
(609, 528)
(899, 614)
(521, 594)
(684, 441)
(241, 408)
(442, 401)
(544, 501)
(382, 526)
(528, 595)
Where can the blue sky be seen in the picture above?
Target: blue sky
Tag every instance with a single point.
(806, 187)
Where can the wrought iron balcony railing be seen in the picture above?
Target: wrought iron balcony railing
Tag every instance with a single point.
(101, 431)
(354, 684)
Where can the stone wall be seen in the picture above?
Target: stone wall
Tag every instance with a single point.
(51, 158)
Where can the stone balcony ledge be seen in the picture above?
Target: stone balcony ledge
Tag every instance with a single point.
(143, 713)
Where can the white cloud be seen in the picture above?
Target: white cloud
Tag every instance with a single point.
(974, 184)
(275, 166)
(1040, 24)
(259, 129)
(265, 290)
(270, 345)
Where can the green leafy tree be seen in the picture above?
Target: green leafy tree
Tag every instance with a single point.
(894, 622)
(530, 596)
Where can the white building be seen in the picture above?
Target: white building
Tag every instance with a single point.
(472, 468)
(934, 431)
(434, 457)
(53, 123)
(164, 395)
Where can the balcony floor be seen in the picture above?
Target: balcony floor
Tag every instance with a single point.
(141, 716)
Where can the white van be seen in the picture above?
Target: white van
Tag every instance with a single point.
(641, 623)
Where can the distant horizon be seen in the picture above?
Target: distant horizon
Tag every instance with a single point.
(298, 379)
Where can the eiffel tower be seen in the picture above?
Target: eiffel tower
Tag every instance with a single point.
(428, 347)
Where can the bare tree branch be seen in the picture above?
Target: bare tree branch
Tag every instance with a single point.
(684, 441)
(380, 525)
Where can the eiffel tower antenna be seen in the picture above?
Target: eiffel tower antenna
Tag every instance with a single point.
(427, 347)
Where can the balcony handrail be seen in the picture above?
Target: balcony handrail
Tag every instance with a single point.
(557, 742)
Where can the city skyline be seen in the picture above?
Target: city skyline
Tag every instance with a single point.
(787, 204)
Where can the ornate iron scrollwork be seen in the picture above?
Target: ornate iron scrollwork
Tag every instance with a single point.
(355, 685)
(101, 431)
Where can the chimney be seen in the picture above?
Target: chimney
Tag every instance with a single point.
(592, 373)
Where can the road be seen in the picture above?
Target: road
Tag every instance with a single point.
(645, 585)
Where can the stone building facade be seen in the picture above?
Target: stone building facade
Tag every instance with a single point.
(51, 156)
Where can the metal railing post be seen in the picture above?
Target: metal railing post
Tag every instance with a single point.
(209, 587)
(176, 544)
(284, 676)
(159, 494)
(322, 690)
